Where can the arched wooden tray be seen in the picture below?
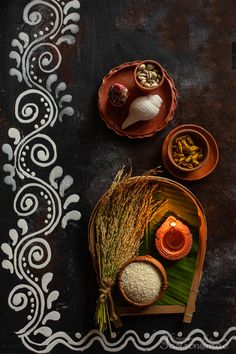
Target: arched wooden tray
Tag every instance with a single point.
(193, 207)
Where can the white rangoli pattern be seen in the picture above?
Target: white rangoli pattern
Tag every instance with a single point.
(37, 57)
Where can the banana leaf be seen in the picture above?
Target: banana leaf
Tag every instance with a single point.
(179, 273)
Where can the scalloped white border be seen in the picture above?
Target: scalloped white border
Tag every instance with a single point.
(40, 106)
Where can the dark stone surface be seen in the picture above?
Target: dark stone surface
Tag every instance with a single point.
(192, 40)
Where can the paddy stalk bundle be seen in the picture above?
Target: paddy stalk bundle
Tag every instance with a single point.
(120, 221)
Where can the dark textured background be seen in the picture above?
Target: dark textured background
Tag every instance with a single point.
(192, 40)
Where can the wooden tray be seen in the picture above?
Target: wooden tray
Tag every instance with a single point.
(189, 209)
(114, 116)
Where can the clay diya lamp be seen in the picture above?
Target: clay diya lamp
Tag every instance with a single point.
(173, 239)
(118, 94)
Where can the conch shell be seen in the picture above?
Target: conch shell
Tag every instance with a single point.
(142, 108)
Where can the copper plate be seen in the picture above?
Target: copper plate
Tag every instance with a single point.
(203, 171)
(114, 116)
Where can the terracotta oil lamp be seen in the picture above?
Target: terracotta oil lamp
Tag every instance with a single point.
(173, 239)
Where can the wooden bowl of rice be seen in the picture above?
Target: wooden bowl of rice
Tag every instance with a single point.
(142, 281)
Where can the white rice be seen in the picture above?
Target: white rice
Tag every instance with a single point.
(141, 282)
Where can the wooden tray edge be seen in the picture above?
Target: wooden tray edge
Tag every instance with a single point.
(150, 310)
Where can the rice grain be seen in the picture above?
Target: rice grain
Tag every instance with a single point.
(141, 282)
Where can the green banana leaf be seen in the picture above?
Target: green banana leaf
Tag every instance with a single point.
(179, 273)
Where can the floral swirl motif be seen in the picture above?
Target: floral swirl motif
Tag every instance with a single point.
(37, 59)
(28, 112)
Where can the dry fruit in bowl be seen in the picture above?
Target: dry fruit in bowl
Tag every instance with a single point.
(148, 75)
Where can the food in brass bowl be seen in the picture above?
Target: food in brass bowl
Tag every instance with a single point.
(173, 239)
(148, 75)
(188, 150)
(142, 281)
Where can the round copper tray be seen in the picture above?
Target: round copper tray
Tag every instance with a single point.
(203, 171)
(114, 116)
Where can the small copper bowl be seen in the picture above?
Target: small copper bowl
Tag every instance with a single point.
(158, 266)
(199, 140)
(173, 239)
(160, 71)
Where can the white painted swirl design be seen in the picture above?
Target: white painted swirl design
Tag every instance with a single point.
(28, 112)
(37, 56)
(37, 200)
(28, 205)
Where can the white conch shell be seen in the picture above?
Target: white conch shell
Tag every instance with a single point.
(143, 108)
